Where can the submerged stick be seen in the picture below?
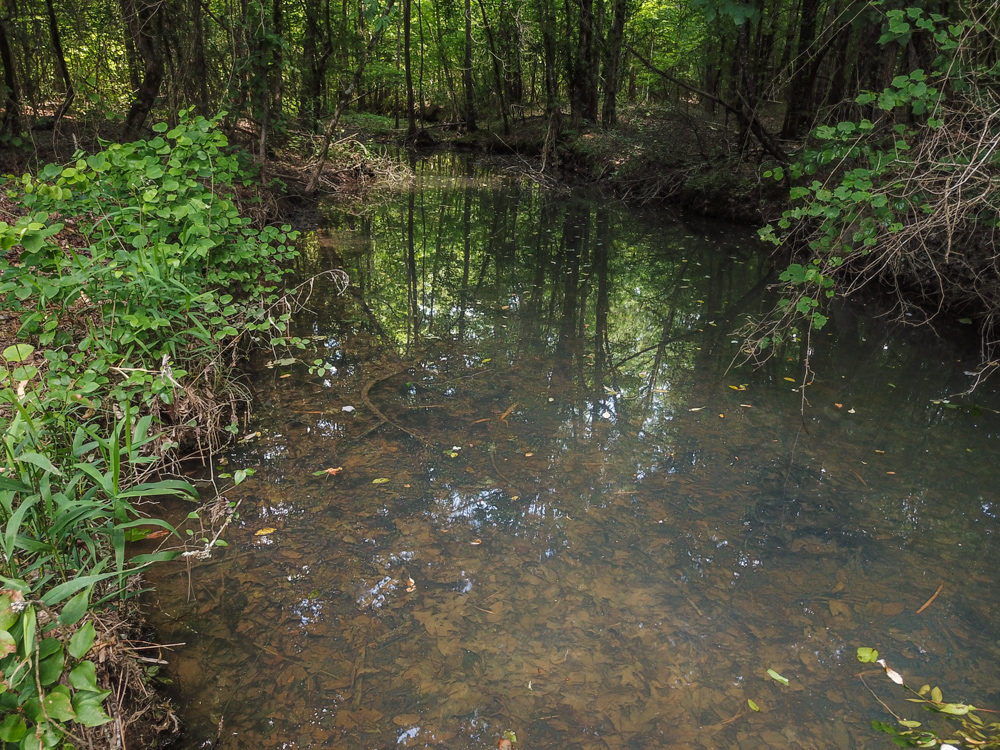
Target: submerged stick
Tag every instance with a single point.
(930, 601)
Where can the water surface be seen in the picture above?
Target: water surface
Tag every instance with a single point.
(561, 510)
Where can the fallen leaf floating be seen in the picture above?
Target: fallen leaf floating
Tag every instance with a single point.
(331, 472)
(348, 409)
(753, 705)
(380, 480)
(839, 406)
(747, 406)
(476, 541)
(697, 408)
(265, 531)
(411, 585)
(892, 674)
(790, 380)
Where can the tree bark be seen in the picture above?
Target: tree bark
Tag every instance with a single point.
(140, 15)
(799, 110)
(12, 90)
(63, 69)
(496, 68)
(609, 115)
(470, 93)
(411, 121)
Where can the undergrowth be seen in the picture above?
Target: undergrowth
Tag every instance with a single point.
(134, 280)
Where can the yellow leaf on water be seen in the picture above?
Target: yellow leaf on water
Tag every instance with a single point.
(790, 380)
(264, 532)
(380, 480)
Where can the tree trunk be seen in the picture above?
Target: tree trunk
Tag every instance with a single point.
(140, 15)
(12, 90)
(411, 122)
(60, 62)
(199, 68)
(799, 111)
(609, 116)
(470, 93)
(496, 68)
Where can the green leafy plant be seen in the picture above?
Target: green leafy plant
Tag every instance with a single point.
(972, 730)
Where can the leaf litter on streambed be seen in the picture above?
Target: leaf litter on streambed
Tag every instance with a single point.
(588, 616)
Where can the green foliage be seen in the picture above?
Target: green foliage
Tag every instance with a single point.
(863, 194)
(163, 238)
(132, 268)
(967, 728)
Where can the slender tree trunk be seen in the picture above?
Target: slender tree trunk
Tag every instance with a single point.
(497, 76)
(60, 58)
(453, 97)
(609, 116)
(799, 110)
(470, 93)
(420, 74)
(411, 122)
(140, 14)
(12, 90)
(199, 68)
(277, 60)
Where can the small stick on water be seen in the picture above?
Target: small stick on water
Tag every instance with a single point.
(930, 601)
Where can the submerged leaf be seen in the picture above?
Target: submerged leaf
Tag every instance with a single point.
(753, 705)
(777, 677)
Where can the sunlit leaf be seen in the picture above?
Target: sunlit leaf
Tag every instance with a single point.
(867, 655)
(265, 531)
(380, 480)
(777, 677)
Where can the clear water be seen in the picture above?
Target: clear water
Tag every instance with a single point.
(612, 531)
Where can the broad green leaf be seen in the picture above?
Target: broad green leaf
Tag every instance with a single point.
(89, 710)
(82, 640)
(13, 728)
(58, 706)
(84, 676)
(18, 352)
(753, 705)
(74, 610)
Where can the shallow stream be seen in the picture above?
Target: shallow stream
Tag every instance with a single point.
(556, 507)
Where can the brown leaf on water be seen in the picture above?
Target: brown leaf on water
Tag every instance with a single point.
(839, 406)
(505, 744)
(405, 720)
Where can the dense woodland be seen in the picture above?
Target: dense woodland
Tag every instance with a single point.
(280, 65)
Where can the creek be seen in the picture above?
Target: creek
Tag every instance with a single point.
(558, 504)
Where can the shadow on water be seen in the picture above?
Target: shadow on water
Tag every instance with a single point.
(561, 512)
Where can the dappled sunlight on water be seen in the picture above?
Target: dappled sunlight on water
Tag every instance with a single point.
(561, 513)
